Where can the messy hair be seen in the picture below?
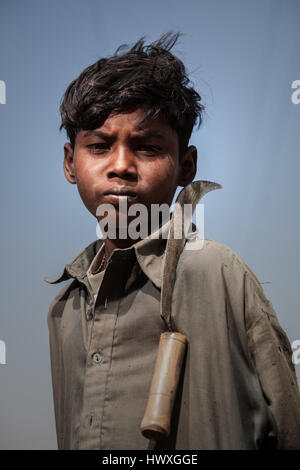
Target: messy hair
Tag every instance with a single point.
(147, 76)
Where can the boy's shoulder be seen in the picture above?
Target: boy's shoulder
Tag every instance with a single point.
(74, 272)
(215, 261)
(199, 252)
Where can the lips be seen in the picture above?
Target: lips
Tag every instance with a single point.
(120, 192)
(116, 195)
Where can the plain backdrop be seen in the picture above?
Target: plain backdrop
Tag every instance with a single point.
(242, 57)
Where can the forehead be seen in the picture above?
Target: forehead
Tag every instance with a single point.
(132, 120)
(131, 123)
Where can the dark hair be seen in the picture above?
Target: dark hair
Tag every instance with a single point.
(145, 76)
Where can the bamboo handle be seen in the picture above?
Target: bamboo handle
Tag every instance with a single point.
(157, 418)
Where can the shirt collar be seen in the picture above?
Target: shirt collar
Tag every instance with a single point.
(149, 254)
(78, 265)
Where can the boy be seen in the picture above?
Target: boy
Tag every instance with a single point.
(129, 119)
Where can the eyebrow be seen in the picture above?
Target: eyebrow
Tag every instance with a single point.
(141, 135)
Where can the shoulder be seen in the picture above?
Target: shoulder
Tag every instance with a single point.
(58, 303)
(199, 252)
(74, 271)
(213, 260)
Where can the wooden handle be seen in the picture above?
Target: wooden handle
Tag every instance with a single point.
(157, 418)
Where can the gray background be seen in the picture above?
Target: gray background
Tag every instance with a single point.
(243, 56)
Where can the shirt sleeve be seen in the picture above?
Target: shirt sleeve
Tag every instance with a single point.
(54, 318)
(272, 355)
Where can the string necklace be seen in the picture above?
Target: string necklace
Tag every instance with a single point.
(102, 263)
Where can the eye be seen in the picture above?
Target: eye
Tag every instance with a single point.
(100, 147)
(150, 149)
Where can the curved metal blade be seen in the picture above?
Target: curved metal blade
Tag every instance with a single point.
(191, 194)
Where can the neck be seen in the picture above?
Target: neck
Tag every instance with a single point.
(111, 245)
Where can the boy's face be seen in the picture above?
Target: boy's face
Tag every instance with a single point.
(142, 162)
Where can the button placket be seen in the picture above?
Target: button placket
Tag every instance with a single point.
(96, 376)
(102, 333)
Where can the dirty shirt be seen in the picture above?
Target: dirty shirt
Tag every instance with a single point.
(238, 388)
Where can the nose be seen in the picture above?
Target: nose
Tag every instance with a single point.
(122, 164)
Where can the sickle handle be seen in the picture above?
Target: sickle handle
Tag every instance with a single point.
(157, 418)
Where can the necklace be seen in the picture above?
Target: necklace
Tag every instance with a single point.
(102, 263)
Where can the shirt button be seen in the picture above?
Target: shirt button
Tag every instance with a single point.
(97, 357)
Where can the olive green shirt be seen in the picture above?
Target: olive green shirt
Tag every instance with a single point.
(238, 389)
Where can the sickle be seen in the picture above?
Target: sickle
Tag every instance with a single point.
(156, 423)
(191, 194)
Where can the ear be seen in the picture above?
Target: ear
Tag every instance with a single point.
(69, 163)
(188, 166)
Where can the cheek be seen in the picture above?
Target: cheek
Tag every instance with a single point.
(161, 184)
(85, 179)
(164, 176)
